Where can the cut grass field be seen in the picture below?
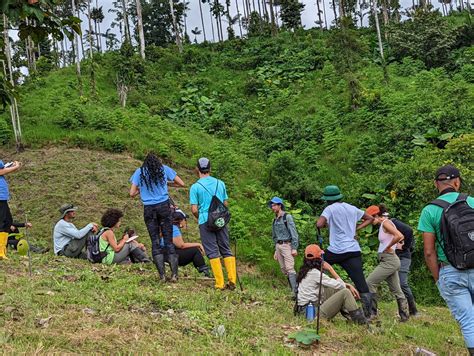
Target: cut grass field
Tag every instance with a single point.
(71, 306)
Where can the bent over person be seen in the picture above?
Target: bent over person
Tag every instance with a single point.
(456, 286)
(216, 243)
(285, 237)
(68, 240)
(342, 218)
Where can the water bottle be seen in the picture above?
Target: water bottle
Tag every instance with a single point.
(162, 242)
(310, 312)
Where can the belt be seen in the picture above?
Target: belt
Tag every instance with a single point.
(281, 242)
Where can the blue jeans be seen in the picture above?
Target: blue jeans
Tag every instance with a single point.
(403, 275)
(457, 289)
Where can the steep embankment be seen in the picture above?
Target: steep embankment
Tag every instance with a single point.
(75, 307)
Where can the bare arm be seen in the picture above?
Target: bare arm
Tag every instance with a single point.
(431, 258)
(322, 222)
(331, 270)
(195, 211)
(367, 221)
(134, 191)
(226, 203)
(16, 166)
(177, 182)
(110, 238)
(179, 243)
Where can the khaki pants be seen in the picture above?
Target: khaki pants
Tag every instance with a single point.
(342, 299)
(285, 259)
(387, 270)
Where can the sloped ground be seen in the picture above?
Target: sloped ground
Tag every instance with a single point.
(75, 307)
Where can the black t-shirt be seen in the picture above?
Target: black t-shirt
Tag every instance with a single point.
(407, 233)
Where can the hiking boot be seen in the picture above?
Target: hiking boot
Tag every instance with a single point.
(403, 310)
(230, 286)
(139, 256)
(173, 261)
(159, 261)
(471, 351)
(357, 316)
(369, 305)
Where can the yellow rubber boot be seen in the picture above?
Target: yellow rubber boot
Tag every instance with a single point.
(217, 272)
(231, 268)
(3, 245)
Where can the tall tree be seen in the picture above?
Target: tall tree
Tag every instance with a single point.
(76, 53)
(141, 33)
(175, 27)
(291, 13)
(272, 18)
(97, 16)
(202, 20)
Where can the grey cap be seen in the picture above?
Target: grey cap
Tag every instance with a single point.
(204, 165)
(66, 208)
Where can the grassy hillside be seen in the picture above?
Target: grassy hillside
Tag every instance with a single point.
(70, 306)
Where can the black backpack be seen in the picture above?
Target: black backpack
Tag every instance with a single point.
(457, 232)
(407, 232)
(218, 214)
(94, 254)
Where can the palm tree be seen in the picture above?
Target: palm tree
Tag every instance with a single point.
(320, 21)
(202, 19)
(175, 27)
(76, 52)
(97, 16)
(110, 39)
(196, 32)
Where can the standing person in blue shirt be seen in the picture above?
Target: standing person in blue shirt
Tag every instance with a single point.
(6, 219)
(216, 243)
(151, 182)
(285, 238)
(455, 286)
(342, 218)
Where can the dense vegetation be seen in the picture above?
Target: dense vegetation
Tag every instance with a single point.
(284, 115)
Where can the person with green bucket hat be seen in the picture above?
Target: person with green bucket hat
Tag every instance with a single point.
(341, 219)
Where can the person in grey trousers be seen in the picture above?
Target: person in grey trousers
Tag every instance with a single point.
(286, 238)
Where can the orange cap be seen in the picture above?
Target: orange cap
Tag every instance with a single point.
(312, 252)
(373, 210)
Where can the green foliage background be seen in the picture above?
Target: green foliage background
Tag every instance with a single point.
(287, 116)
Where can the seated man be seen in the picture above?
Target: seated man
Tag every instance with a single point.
(68, 240)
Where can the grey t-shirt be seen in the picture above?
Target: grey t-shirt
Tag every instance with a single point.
(342, 220)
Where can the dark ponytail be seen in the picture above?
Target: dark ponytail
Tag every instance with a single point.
(308, 265)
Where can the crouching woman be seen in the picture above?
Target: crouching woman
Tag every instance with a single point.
(122, 251)
(336, 295)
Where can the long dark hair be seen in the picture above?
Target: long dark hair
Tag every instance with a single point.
(152, 172)
(307, 266)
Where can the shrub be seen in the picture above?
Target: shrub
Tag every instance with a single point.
(74, 117)
(5, 131)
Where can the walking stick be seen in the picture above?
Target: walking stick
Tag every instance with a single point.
(236, 274)
(28, 242)
(320, 238)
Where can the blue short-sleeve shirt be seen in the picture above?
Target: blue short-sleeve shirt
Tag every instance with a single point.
(4, 192)
(159, 193)
(176, 231)
(201, 195)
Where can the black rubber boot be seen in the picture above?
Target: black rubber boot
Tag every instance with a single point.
(205, 271)
(412, 306)
(292, 283)
(159, 261)
(369, 305)
(173, 261)
(139, 256)
(403, 310)
(357, 316)
(471, 351)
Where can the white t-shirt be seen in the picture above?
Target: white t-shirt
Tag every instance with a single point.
(308, 288)
(342, 219)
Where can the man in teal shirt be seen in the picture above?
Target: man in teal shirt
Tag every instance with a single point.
(455, 286)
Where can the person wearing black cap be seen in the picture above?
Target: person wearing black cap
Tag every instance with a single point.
(285, 238)
(68, 240)
(216, 243)
(188, 252)
(456, 286)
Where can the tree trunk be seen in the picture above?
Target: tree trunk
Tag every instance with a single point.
(125, 22)
(272, 18)
(239, 19)
(91, 41)
(385, 15)
(361, 15)
(212, 23)
(342, 12)
(379, 39)
(334, 10)
(324, 12)
(319, 14)
(175, 28)
(76, 53)
(202, 20)
(141, 34)
(13, 105)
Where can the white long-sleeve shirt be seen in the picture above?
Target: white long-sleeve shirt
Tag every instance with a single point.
(308, 288)
(65, 231)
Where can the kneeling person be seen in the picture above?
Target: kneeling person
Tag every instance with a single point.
(336, 295)
(68, 240)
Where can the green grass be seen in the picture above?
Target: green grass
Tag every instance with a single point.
(124, 309)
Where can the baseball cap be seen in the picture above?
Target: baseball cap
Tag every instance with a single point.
(372, 210)
(447, 172)
(66, 208)
(204, 165)
(276, 200)
(179, 215)
(313, 252)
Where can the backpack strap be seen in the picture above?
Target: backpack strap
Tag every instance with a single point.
(284, 222)
(99, 234)
(208, 190)
(441, 203)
